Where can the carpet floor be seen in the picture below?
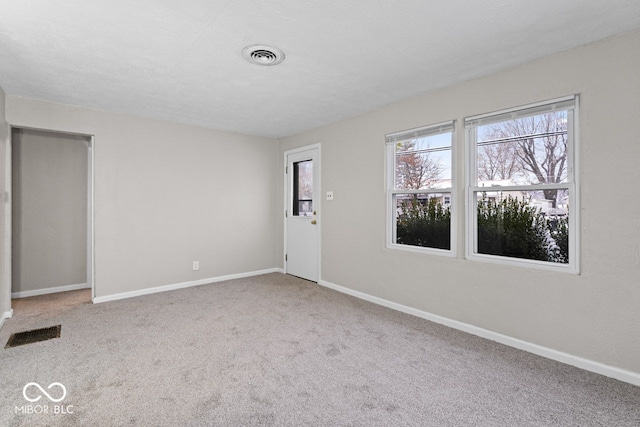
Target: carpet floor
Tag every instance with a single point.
(279, 351)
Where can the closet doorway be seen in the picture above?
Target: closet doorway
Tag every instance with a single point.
(51, 214)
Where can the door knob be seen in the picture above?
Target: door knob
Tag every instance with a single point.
(313, 222)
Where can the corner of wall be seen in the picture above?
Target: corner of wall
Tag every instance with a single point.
(5, 288)
(278, 186)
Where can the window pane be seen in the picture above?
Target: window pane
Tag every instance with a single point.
(304, 173)
(305, 208)
(524, 225)
(529, 150)
(423, 163)
(303, 188)
(423, 220)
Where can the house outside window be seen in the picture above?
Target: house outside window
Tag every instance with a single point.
(420, 188)
(522, 186)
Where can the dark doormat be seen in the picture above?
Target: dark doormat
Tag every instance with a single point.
(35, 335)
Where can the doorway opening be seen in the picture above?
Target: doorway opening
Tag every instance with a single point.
(50, 225)
(302, 213)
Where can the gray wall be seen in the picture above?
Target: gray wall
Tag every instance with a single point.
(168, 194)
(593, 315)
(49, 210)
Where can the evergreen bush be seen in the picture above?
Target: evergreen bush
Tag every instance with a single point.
(507, 227)
(424, 224)
(513, 228)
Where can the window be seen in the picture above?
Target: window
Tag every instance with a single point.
(419, 188)
(522, 186)
(303, 188)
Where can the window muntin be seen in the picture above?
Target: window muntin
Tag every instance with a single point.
(419, 185)
(522, 184)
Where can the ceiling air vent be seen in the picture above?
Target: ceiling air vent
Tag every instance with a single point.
(263, 55)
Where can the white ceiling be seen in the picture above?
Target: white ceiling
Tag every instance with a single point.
(180, 60)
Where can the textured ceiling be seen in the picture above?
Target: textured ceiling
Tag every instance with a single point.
(181, 60)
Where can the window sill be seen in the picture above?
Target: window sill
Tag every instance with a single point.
(422, 250)
(524, 263)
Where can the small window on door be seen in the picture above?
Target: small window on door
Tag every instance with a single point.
(303, 188)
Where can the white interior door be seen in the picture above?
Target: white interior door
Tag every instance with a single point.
(302, 214)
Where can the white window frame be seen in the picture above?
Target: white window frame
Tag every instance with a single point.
(391, 140)
(569, 104)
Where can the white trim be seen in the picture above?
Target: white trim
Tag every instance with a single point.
(422, 250)
(526, 187)
(5, 278)
(301, 149)
(5, 316)
(175, 286)
(420, 132)
(559, 356)
(45, 291)
(522, 263)
(563, 103)
(91, 259)
(574, 161)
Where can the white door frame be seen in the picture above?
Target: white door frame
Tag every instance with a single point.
(318, 205)
(91, 217)
(7, 279)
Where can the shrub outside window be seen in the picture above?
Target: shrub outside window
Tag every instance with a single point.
(522, 204)
(420, 188)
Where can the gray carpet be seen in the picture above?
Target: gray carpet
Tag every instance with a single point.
(277, 350)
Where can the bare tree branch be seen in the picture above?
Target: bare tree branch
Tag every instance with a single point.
(538, 159)
(416, 171)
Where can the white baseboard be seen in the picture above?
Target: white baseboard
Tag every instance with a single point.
(579, 362)
(36, 292)
(6, 315)
(182, 285)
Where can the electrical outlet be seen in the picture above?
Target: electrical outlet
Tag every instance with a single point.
(196, 265)
(329, 195)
